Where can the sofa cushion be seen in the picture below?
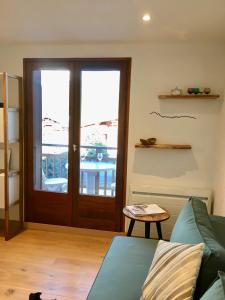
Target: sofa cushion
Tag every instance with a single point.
(193, 226)
(217, 290)
(124, 269)
(173, 272)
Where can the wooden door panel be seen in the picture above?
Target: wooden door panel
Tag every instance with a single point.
(96, 213)
(51, 209)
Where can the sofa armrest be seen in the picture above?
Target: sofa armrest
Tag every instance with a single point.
(218, 223)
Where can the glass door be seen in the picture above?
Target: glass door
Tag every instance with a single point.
(102, 144)
(76, 135)
(51, 130)
(48, 150)
(99, 132)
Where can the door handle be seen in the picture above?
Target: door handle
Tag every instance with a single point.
(74, 147)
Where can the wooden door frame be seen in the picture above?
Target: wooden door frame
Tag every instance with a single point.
(29, 63)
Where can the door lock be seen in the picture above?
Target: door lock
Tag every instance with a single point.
(74, 147)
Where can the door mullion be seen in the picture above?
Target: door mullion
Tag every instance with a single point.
(76, 138)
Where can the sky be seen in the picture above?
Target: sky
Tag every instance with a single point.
(99, 96)
(55, 95)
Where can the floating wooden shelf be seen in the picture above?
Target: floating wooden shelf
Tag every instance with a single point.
(164, 146)
(10, 142)
(203, 97)
(13, 141)
(11, 172)
(13, 109)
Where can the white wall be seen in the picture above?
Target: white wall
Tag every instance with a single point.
(155, 70)
(219, 178)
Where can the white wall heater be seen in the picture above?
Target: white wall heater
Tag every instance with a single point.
(170, 198)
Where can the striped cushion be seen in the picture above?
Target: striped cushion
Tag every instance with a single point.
(173, 273)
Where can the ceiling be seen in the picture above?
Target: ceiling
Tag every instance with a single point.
(72, 21)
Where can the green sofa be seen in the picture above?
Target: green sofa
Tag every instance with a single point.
(128, 259)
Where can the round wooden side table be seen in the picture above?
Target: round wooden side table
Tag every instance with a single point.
(157, 218)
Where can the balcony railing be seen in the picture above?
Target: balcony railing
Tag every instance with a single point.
(97, 168)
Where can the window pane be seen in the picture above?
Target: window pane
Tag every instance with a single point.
(99, 132)
(51, 130)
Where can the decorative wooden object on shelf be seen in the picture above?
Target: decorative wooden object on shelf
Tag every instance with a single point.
(198, 96)
(164, 146)
(11, 145)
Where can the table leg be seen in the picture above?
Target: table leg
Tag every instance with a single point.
(159, 230)
(147, 230)
(131, 226)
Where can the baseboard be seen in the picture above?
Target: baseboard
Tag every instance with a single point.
(67, 229)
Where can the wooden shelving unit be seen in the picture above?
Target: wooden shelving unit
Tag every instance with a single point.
(164, 146)
(203, 97)
(11, 155)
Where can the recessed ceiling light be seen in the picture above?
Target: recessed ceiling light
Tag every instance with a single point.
(146, 18)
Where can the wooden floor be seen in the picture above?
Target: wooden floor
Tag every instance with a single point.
(61, 265)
